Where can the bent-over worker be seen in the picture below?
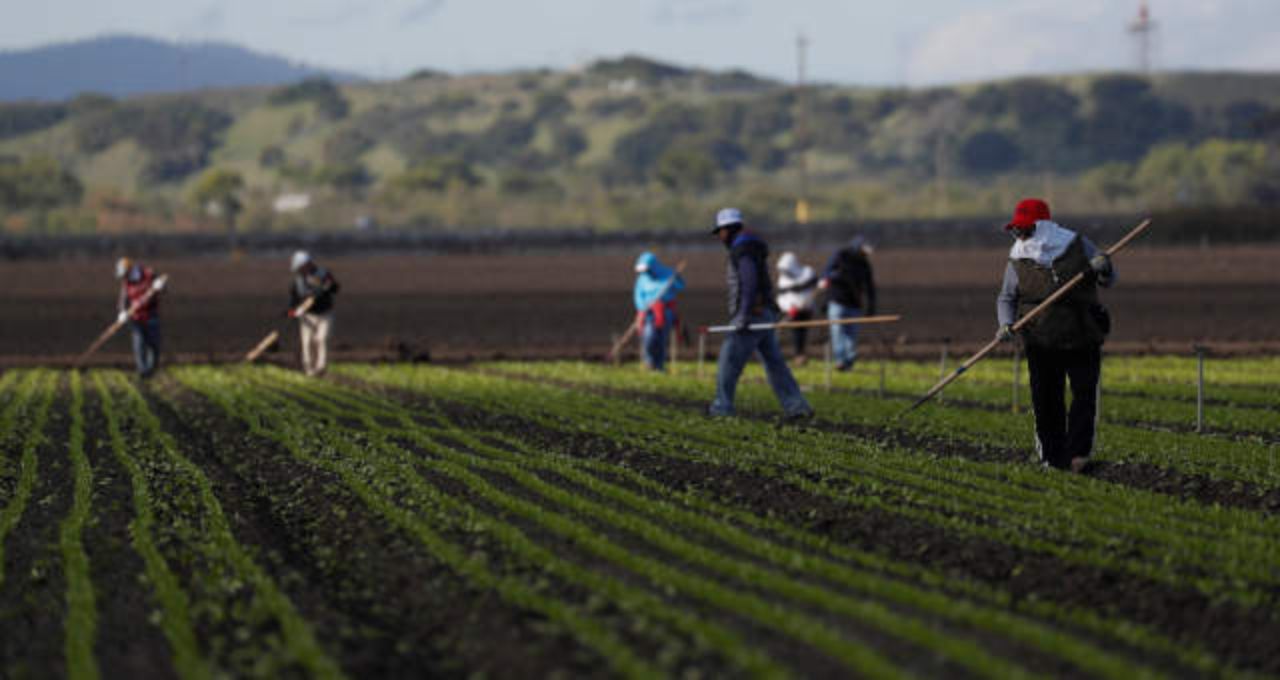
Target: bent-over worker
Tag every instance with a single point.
(136, 284)
(1064, 343)
(851, 292)
(316, 323)
(797, 287)
(655, 300)
(751, 301)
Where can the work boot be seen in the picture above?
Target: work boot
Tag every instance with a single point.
(798, 418)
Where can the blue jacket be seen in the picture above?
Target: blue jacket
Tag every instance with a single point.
(651, 282)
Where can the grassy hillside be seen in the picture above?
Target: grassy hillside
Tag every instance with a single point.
(636, 143)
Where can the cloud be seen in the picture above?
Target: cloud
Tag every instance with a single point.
(699, 12)
(1020, 37)
(206, 22)
(424, 9)
(340, 15)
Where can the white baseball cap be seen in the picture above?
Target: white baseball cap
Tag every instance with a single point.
(727, 217)
(299, 260)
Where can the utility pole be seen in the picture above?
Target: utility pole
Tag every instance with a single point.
(1142, 29)
(801, 141)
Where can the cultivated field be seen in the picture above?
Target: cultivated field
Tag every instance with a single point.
(567, 305)
(534, 519)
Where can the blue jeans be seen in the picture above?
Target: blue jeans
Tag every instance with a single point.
(146, 345)
(734, 353)
(844, 339)
(655, 341)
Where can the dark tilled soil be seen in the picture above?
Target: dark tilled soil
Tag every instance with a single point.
(34, 588)
(384, 606)
(1238, 636)
(569, 305)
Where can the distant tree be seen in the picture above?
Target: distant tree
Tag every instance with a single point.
(436, 174)
(989, 152)
(1112, 181)
(630, 106)
(1128, 119)
(328, 100)
(217, 193)
(37, 183)
(568, 142)
(640, 68)
(682, 169)
(548, 105)
(522, 183)
(1241, 119)
(272, 156)
(346, 178)
(346, 146)
(24, 117)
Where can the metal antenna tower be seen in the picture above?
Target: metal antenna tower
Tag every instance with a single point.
(801, 140)
(1142, 29)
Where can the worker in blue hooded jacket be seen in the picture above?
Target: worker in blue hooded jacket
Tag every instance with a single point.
(655, 300)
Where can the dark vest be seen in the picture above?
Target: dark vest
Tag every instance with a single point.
(752, 247)
(1071, 322)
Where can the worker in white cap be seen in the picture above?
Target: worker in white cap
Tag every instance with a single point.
(316, 323)
(751, 301)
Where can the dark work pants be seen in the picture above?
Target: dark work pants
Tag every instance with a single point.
(146, 345)
(800, 335)
(1061, 436)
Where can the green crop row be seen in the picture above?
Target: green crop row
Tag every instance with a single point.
(82, 617)
(180, 522)
(517, 460)
(1117, 406)
(1240, 460)
(1220, 551)
(391, 488)
(22, 429)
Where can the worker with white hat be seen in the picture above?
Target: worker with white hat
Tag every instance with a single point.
(751, 301)
(311, 281)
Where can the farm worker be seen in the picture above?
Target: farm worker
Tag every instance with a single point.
(1064, 343)
(655, 299)
(797, 287)
(751, 301)
(312, 281)
(851, 291)
(137, 283)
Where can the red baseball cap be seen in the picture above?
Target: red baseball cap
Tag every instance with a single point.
(1027, 213)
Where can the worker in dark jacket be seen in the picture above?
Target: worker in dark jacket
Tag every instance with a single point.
(751, 301)
(851, 291)
(139, 284)
(316, 323)
(1063, 343)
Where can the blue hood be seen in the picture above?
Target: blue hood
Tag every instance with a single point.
(651, 281)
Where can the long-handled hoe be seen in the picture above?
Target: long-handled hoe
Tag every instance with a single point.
(886, 318)
(631, 330)
(118, 324)
(274, 335)
(1028, 318)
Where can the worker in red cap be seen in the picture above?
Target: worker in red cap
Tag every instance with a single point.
(1064, 343)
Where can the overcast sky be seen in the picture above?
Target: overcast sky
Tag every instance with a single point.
(913, 42)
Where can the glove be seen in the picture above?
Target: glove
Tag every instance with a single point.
(122, 317)
(741, 325)
(823, 283)
(158, 285)
(793, 312)
(1100, 263)
(292, 313)
(1005, 333)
